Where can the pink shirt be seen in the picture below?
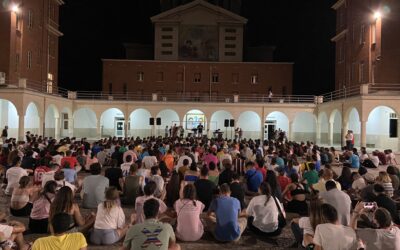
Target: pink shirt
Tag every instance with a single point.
(189, 226)
(139, 207)
(41, 207)
(210, 158)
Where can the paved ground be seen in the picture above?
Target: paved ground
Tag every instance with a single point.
(248, 240)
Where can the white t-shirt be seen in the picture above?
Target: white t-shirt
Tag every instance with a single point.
(363, 157)
(149, 161)
(304, 223)
(180, 161)
(114, 219)
(265, 215)
(380, 238)
(375, 160)
(335, 237)
(6, 230)
(341, 201)
(13, 175)
(125, 167)
(358, 184)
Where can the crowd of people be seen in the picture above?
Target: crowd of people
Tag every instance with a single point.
(179, 188)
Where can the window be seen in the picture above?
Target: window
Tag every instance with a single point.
(179, 77)
(167, 37)
(49, 83)
(110, 87)
(124, 88)
(235, 78)
(230, 53)
(230, 30)
(197, 77)
(166, 45)
(140, 76)
(392, 125)
(166, 52)
(16, 61)
(373, 33)
(65, 121)
(160, 76)
(230, 38)
(361, 72)
(30, 19)
(215, 78)
(230, 46)
(362, 34)
(167, 29)
(254, 79)
(29, 57)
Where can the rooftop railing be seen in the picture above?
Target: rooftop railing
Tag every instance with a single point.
(364, 89)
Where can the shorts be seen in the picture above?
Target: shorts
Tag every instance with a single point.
(104, 236)
(25, 211)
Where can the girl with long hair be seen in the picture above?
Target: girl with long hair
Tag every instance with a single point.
(22, 196)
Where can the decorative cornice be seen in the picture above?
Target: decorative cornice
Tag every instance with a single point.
(54, 31)
(339, 36)
(338, 4)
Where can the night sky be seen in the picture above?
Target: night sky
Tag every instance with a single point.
(300, 29)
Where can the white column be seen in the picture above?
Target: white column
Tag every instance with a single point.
(330, 134)
(318, 133)
(98, 129)
(363, 136)
(71, 127)
(21, 128)
(345, 127)
(290, 132)
(57, 127)
(42, 126)
(262, 129)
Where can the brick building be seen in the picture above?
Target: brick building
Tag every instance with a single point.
(198, 52)
(367, 42)
(29, 41)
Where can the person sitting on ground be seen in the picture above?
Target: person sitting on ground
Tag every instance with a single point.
(60, 239)
(188, 210)
(237, 190)
(59, 178)
(372, 161)
(263, 212)
(272, 180)
(345, 179)
(22, 196)
(39, 217)
(72, 161)
(327, 175)
(303, 228)
(283, 181)
(90, 159)
(384, 179)
(205, 188)
(228, 223)
(109, 226)
(385, 236)
(226, 175)
(213, 174)
(390, 157)
(132, 186)
(156, 177)
(14, 174)
(173, 188)
(358, 182)
(353, 160)
(149, 190)
(333, 235)
(253, 177)
(192, 174)
(310, 177)
(94, 187)
(298, 203)
(70, 174)
(64, 203)
(385, 201)
(393, 173)
(182, 169)
(126, 165)
(114, 175)
(339, 200)
(142, 235)
(11, 235)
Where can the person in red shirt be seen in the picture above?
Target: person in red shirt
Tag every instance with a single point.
(283, 182)
(71, 160)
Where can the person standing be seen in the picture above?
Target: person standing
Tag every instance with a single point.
(200, 128)
(349, 140)
(4, 134)
(166, 132)
(270, 95)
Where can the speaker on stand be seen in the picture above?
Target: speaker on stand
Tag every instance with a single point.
(232, 125)
(226, 125)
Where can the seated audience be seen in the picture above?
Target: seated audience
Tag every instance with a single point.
(132, 186)
(213, 174)
(22, 196)
(339, 200)
(384, 179)
(11, 235)
(237, 190)
(345, 179)
(327, 175)
(205, 188)
(94, 187)
(149, 190)
(253, 177)
(114, 175)
(297, 203)
(192, 174)
(14, 174)
(226, 175)
(383, 200)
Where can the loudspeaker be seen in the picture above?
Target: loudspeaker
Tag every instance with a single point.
(158, 120)
(232, 123)
(151, 122)
(393, 128)
(226, 123)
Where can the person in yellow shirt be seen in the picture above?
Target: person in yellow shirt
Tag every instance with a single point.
(60, 239)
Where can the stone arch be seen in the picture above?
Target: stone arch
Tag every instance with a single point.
(193, 118)
(51, 121)
(139, 123)
(275, 120)
(169, 117)
(250, 123)
(9, 117)
(304, 127)
(353, 120)
(32, 119)
(217, 121)
(378, 128)
(336, 120)
(108, 120)
(85, 123)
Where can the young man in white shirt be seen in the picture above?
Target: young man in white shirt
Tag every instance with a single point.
(13, 175)
(339, 200)
(333, 235)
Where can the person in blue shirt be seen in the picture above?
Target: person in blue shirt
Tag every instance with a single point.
(253, 177)
(228, 223)
(353, 160)
(279, 161)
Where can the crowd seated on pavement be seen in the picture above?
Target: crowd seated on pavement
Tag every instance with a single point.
(179, 189)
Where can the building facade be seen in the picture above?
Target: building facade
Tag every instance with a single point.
(198, 52)
(29, 41)
(367, 42)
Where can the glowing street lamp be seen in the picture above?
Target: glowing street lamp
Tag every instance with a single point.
(15, 8)
(377, 15)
